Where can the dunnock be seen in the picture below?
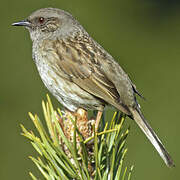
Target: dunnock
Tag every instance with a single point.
(80, 73)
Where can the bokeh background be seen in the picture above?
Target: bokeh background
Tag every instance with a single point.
(143, 35)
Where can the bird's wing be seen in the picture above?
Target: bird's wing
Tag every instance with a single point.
(102, 77)
(80, 66)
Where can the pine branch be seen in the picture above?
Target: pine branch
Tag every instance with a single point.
(78, 152)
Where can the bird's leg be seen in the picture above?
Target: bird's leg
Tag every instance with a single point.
(98, 118)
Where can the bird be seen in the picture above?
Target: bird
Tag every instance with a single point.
(80, 73)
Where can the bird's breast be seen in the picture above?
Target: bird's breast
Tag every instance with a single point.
(67, 93)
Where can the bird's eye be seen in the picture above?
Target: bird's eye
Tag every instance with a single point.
(41, 20)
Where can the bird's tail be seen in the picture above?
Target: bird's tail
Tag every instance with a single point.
(151, 135)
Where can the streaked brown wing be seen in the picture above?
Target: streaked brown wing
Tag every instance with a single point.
(81, 69)
(94, 82)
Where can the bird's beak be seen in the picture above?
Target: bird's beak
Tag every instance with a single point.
(22, 23)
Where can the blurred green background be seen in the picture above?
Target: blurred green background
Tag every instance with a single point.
(143, 35)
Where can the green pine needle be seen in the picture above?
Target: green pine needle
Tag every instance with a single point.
(108, 151)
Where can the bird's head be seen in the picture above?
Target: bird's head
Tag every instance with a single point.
(49, 23)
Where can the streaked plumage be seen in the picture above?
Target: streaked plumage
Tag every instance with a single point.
(79, 72)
